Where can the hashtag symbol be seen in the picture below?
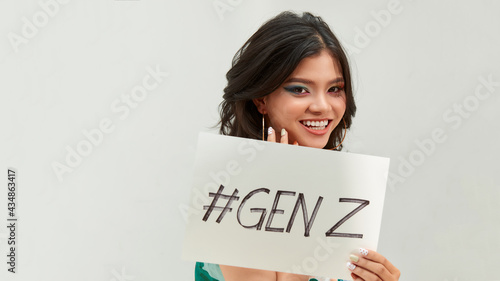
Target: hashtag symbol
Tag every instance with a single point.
(213, 205)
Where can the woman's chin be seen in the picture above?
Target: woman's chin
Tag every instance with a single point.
(314, 144)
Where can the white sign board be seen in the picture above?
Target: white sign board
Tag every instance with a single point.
(281, 207)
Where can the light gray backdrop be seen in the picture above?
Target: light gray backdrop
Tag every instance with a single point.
(103, 139)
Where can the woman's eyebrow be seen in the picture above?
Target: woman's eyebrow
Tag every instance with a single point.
(309, 82)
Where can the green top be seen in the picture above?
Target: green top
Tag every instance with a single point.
(207, 272)
(212, 272)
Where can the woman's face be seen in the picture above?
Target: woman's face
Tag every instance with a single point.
(309, 104)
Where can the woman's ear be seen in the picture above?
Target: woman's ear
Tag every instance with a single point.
(260, 103)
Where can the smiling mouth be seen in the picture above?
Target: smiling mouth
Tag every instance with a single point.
(316, 125)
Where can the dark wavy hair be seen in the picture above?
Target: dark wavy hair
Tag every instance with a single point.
(264, 62)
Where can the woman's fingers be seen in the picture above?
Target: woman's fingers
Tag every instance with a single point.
(271, 134)
(370, 265)
(377, 258)
(284, 136)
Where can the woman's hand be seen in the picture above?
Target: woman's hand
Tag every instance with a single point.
(271, 136)
(372, 266)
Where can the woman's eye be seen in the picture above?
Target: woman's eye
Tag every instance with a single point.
(336, 90)
(296, 90)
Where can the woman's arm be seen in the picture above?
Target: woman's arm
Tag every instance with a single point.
(233, 273)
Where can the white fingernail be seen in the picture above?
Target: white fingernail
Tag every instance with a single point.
(362, 251)
(283, 132)
(354, 258)
(270, 130)
(351, 266)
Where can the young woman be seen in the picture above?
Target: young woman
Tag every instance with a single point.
(291, 83)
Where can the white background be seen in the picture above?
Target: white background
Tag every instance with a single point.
(117, 215)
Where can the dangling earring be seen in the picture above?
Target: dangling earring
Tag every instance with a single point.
(263, 127)
(345, 132)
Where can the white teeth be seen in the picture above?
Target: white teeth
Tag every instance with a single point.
(316, 125)
(318, 128)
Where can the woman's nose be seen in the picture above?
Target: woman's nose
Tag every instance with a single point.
(319, 103)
